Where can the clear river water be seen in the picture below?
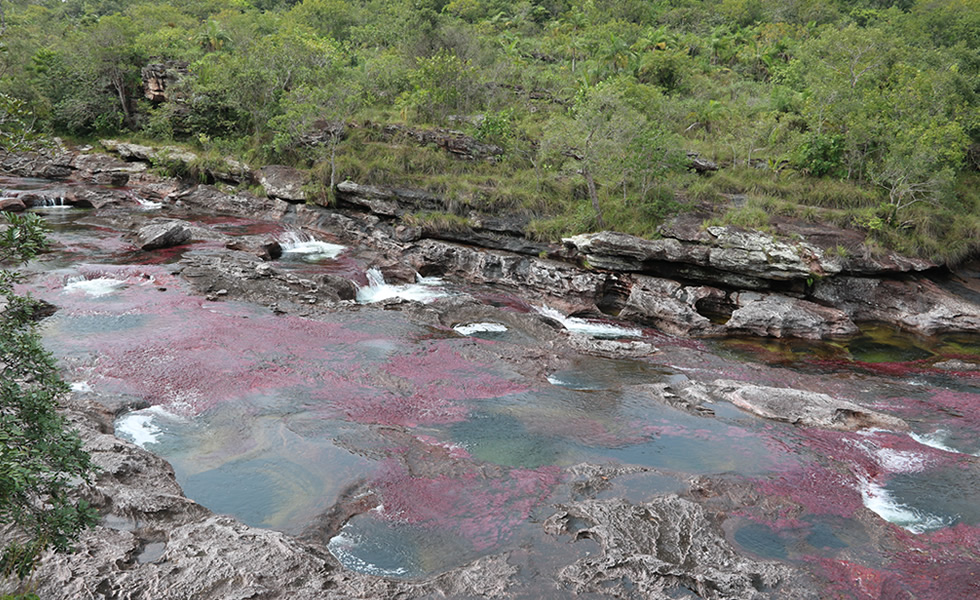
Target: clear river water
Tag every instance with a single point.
(272, 418)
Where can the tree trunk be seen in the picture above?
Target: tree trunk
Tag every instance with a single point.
(120, 85)
(333, 162)
(593, 196)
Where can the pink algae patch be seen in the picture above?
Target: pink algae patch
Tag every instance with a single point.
(941, 565)
(831, 483)
(210, 358)
(483, 508)
(406, 411)
(439, 370)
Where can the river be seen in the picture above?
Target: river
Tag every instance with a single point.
(460, 441)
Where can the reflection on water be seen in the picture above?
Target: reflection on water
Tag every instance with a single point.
(874, 345)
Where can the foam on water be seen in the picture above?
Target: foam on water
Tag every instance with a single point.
(938, 440)
(308, 248)
(139, 426)
(147, 204)
(557, 381)
(425, 290)
(590, 328)
(344, 545)
(878, 500)
(488, 327)
(97, 287)
(81, 387)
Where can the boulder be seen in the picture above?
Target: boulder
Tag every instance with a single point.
(231, 170)
(163, 233)
(775, 315)
(12, 205)
(283, 182)
(128, 151)
(343, 288)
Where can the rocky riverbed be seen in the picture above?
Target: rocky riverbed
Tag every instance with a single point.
(501, 437)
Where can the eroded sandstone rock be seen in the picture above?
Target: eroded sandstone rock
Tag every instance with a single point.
(659, 549)
(775, 315)
(916, 304)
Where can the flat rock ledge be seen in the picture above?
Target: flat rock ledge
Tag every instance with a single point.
(788, 405)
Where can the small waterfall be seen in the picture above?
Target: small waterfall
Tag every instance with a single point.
(95, 287)
(484, 327)
(144, 203)
(51, 202)
(306, 247)
(880, 501)
(591, 328)
(425, 290)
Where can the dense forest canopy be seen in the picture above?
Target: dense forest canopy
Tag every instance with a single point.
(859, 113)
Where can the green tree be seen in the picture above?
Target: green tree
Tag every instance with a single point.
(40, 457)
(16, 125)
(317, 118)
(611, 143)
